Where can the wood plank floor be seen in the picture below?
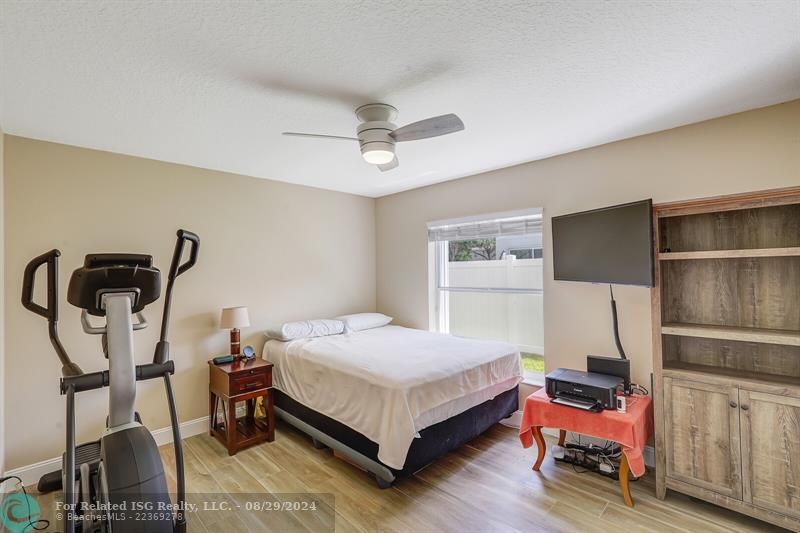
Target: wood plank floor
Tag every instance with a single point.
(487, 485)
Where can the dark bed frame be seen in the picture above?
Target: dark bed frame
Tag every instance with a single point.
(434, 441)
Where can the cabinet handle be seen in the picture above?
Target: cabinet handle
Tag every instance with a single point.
(745, 407)
(733, 404)
(250, 385)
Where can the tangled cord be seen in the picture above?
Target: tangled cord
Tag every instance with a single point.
(607, 453)
(35, 525)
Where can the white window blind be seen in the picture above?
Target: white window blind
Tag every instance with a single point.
(485, 228)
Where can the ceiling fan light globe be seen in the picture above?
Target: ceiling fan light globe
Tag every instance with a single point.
(379, 155)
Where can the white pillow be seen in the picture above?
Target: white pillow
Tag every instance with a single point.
(362, 321)
(305, 329)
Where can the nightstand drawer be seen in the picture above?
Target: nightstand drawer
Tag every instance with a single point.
(249, 382)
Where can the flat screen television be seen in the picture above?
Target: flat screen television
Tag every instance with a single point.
(609, 245)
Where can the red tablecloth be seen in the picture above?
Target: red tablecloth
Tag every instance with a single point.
(631, 430)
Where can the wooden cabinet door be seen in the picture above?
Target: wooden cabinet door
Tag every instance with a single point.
(771, 451)
(701, 435)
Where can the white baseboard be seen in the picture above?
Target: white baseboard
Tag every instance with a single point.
(189, 428)
(30, 474)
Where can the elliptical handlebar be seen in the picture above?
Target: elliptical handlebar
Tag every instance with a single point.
(161, 357)
(176, 270)
(68, 368)
(51, 259)
(161, 354)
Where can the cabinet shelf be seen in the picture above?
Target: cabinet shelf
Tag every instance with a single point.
(767, 336)
(687, 370)
(731, 254)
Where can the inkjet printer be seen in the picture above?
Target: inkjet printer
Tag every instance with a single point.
(590, 391)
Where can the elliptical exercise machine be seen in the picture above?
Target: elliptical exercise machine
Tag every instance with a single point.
(117, 482)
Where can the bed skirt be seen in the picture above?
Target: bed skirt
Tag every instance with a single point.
(434, 441)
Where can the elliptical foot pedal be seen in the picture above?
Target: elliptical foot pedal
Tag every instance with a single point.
(88, 453)
(50, 482)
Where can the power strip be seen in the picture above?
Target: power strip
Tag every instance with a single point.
(591, 458)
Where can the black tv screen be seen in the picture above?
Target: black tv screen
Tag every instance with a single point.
(609, 245)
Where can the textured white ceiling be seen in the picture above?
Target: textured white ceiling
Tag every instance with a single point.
(213, 84)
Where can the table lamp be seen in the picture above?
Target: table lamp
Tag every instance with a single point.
(234, 318)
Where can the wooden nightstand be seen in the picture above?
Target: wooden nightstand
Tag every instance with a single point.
(241, 382)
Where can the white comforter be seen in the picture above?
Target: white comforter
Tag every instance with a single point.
(389, 383)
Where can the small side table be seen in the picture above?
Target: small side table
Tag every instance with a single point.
(631, 430)
(237, 382)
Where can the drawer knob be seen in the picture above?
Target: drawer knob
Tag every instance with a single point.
(745, 407)
(733, 404)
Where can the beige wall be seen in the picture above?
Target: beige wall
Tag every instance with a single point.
(755, 150)
(285, 251)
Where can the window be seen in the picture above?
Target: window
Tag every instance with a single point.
(487, 282)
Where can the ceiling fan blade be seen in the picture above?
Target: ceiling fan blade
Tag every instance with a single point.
(394, 163)
(430, 127)
(318, 136)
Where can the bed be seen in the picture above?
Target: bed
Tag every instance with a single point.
(393, 399)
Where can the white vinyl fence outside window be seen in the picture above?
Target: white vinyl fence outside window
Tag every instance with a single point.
(480, 289)
(515, 316)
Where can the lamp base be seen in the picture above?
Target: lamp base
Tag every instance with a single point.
(236, 344)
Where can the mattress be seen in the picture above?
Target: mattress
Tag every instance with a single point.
(389, 383)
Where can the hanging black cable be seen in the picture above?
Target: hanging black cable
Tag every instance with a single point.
(615, 322)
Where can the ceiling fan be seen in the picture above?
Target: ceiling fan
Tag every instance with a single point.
(377, 134)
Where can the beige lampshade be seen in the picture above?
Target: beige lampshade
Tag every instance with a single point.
(234, 317)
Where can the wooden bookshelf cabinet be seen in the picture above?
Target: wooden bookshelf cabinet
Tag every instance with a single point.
(726, 348)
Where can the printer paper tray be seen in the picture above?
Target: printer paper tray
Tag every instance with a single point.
(577, 403)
